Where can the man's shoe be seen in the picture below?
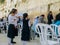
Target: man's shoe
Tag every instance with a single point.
(13, 42)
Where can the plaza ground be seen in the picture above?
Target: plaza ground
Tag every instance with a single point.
(4, 40)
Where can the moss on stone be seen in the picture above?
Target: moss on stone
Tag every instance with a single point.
(2, 1)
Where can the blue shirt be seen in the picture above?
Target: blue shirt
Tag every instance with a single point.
(35, 23)
(57, 23)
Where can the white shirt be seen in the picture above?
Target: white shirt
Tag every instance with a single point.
(21, 15)
(5, 20)
(12, 20)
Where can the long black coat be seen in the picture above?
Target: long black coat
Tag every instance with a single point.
(25, 31)
(12, 31)
(50, 17)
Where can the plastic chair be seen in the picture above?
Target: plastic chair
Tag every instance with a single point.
(1, 26)
(39, 29)
(43, 33)
(59, 30)
(55, 28)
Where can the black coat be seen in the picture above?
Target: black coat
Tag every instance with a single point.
(12, 31)
(57, 17)
(25, 31)
(50, 17)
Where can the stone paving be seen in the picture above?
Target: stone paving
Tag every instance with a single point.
(4, 40)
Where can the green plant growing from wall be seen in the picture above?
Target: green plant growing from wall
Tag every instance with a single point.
(2, 1)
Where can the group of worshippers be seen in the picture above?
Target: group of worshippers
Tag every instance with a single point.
(50, 20)
(25, 21)
(13, 30)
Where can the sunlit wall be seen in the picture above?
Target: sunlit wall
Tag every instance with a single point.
(33, 7)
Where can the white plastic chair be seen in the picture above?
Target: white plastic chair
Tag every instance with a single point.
(55, 28)
(43, 34)
(59, 30)
(40, 30)
(1, 26)
(19, 29)
(59, 33)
